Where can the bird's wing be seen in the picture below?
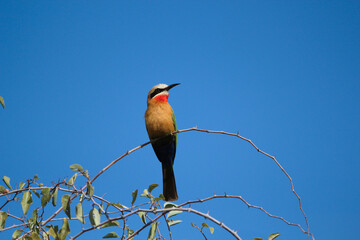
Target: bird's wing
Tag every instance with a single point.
(175, 127)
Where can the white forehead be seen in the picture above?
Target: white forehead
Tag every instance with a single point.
(161, 85)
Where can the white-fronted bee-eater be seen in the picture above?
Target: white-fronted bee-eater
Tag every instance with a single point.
(160, 123)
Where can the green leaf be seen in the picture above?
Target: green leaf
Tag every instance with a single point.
(210, 228)
(72, 180)
(90, 189)
(76, 167)
(273, 236)
(3, 216)
(161, 197)
(152, 187)
(65, 201)
(174, 222)
(54, 197)
(35, 236)
(110, 224)
(258, 239)
(26, 201)
(53, 231)
(35, 215)
(169, 205)
(173, 213)
(21, 185)
(134, 196)
(130, 232)
(2, 189)
(7, 181)
(16, 234)
(94, 217)
(145, 194)
(80, 213)
(45, 198)
(82, 197)
(86, 174)
(204, 225)
(101, 208)
(65, 229)
(111, 235)
(152, 231)
(45, 236)
(2, 102)
(36, 176)
(142, 217)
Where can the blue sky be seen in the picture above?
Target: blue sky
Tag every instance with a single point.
(75, 76)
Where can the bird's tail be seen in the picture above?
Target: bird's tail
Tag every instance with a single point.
(169, 185)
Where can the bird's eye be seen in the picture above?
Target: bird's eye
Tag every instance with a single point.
(155, 92)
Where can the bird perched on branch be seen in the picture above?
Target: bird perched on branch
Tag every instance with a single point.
(160, 123)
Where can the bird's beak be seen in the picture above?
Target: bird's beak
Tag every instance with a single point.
(171, 86)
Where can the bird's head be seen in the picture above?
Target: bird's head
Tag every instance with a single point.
(160, 92)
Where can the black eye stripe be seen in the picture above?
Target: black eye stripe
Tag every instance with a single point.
(156, 91)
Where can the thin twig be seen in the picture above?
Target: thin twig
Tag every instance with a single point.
(201, 231)
(249, 205)
(167, 224)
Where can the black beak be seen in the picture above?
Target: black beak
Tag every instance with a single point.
(171, 86)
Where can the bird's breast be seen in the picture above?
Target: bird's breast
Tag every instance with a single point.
(158, 120)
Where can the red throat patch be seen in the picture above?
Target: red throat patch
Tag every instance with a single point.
(162, 98)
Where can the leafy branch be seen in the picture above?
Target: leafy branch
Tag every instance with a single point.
(41, 225)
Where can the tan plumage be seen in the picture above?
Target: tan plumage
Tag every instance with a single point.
(158, 119)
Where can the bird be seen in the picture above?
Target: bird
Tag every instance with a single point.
(160, 123)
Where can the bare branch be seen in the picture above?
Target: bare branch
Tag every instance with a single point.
(260, 151)
(249, 205)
